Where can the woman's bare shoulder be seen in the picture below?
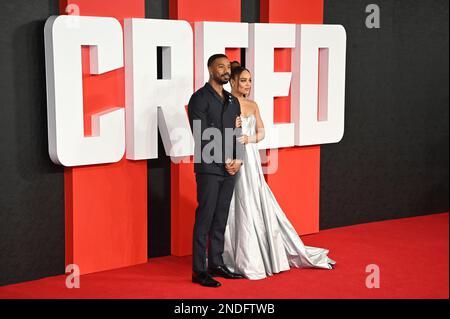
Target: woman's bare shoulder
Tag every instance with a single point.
(247, 102)
(248, 106)
(253, 105)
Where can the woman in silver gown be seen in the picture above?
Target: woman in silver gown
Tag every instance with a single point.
(259, 239)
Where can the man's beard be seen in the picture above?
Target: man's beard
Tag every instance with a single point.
(221, 80)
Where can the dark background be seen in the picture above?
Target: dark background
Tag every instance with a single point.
(392, 161)
(31, 186)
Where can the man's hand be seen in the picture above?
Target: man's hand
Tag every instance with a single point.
(233, 166)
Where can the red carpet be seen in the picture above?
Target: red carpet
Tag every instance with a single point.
(412, 255)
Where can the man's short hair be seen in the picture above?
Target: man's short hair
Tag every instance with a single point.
(214, 57)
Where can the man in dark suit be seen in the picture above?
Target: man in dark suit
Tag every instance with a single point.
(214, 112)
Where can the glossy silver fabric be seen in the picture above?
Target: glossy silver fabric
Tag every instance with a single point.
(259, 239)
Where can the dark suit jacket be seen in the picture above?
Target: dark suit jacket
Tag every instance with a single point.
(207, 107)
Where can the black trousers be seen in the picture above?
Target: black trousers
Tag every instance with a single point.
(214, 194)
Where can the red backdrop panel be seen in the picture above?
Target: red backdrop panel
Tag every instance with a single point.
(296, 183)
(183, 193)
(106, 205)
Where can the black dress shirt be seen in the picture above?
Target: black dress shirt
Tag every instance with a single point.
(207, 106)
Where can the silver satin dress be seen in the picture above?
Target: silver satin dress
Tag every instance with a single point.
(259, 239)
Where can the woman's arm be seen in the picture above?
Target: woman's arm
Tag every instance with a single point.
(260, 132)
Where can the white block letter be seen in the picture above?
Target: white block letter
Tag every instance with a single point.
(153, 102)
(212, 38)
(318, 84)
(263, 39)
(67, 144)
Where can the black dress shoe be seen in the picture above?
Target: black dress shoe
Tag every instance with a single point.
(222, 271)
(205, 279)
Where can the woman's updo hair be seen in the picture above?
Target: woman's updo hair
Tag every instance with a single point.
(236, 72)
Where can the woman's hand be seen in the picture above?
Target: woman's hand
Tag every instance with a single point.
(243, 139)
(233, 166)
(238, 121)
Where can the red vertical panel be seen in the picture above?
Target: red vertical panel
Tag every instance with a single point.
(106, 205)
(298, 167)
(183, 186)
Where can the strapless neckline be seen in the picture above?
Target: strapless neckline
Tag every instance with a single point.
(246, 117)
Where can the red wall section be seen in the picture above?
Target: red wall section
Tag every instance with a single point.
(298, 167)
(184, 193)
(106, 205)
(292, 11)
